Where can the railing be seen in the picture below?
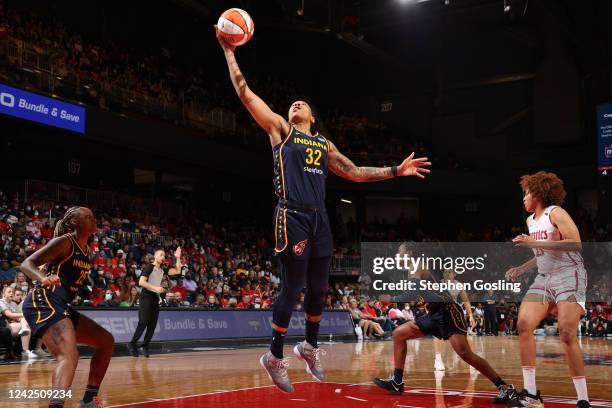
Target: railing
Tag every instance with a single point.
(346, 265)
(23, 60)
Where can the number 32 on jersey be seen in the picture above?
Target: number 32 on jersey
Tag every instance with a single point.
(313, 156)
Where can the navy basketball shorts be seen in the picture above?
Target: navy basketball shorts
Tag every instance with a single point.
(42, 308)
(444, 322)
(302, 232)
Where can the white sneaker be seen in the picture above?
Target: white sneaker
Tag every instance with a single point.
(41, 353)
(28, 355)
(439, 365)
(23, 332)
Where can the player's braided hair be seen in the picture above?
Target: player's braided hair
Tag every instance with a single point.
(64, 224)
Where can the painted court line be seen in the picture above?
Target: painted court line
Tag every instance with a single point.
(356, 399)
(199, 395)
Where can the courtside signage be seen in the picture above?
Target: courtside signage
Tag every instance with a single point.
(194, 324)
(36, 108)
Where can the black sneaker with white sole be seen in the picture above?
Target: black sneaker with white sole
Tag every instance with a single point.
(525, 399)
(390, 385)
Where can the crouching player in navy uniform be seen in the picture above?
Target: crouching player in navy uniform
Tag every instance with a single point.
(444, 320)
(48, 312)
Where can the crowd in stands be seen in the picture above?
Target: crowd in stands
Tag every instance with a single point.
(103, 66)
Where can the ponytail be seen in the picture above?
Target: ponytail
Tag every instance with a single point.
(64, 224)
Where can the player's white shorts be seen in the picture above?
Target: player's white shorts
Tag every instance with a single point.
(558, 287)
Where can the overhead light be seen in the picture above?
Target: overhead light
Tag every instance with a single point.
(344, 200)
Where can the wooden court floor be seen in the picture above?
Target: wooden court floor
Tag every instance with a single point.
(232, 377)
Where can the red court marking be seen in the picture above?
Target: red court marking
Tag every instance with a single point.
(314, 395)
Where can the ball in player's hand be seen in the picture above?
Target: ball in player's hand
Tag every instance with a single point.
(236, 27)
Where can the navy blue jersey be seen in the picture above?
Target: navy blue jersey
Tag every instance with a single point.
(72, 270)
(300, 168)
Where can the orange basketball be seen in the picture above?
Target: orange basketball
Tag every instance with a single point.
(236, 26)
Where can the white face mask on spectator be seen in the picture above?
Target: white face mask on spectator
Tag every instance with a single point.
(108, 296)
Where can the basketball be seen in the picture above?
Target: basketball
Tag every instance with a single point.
(236, 26)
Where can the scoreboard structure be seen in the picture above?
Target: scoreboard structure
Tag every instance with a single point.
(604, 139)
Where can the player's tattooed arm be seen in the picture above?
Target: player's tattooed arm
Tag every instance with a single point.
(274, 124)
(345, 168)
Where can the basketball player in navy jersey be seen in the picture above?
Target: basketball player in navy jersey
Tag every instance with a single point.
(48, 312)
(445, 321)
(304, 243)
(559, 288)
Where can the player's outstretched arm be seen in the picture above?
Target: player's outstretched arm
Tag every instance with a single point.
(345, 168)
(276, 126)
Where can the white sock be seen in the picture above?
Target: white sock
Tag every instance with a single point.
(529, 379)
(581, 388)
(438, 356)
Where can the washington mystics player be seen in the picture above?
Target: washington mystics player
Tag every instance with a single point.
(304, 243)
(560, 285)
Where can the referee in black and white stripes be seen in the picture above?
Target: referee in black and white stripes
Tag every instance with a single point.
(148, 312)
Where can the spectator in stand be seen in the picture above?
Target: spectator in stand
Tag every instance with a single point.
(200, 301)
(408, 312)
(367, 326)
(111, 299)
(370, 310)
(266, 303)
(179, 288)
(344, 303)
(9, 310)
(212, 304)
(396, 315)
(171, 301)
(245, 303)
(190, 286)
(21, 282)
(7, 272)
(375, 325)
(178, 297)
(133, 299)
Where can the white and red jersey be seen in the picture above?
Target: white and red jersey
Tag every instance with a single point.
(551, 261)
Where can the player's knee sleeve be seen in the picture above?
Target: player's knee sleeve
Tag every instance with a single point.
(283, 307)
(314, 302)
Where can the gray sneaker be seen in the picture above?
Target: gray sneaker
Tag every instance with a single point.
(95, 403)
(277, 371)
(312, 356)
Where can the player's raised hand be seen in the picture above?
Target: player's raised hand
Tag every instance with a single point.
(227, 47)
(414, 167)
